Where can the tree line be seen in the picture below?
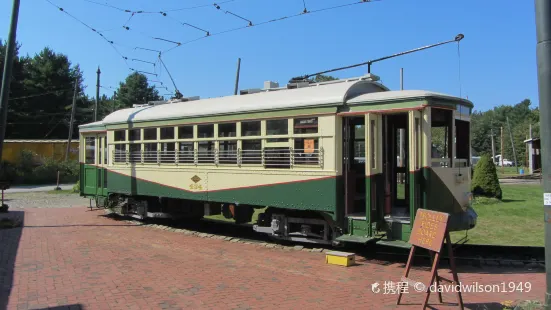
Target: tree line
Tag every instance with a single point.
(41, 97)
(521, 117)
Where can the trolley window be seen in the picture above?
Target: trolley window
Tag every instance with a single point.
(462, 134)
(185, 132)
(167, 133)
(186, 153)
(306, 151)
(206, 152)
(134, 135)
(90, 145)
(306, 125)
(120, 153)
(227, 130)
(252, 152)
(205, 131)
(441, 132)
(168, 154)
(150, 152)
(120, 135)
(150, 134)
(251, 128)
(228, 152)
(105, 150)
(277, 127)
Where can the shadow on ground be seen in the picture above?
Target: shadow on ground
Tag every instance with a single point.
(65, 307)
(9, 239)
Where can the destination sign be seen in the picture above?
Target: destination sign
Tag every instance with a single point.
(429, 229)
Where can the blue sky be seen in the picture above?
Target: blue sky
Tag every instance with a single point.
(498, 57)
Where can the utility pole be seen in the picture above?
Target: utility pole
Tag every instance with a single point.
(97, 96)
(6, 76)
(57, 188)
(543, 52)
(493, 148)
(401, 131)
(72, 120)
(512, 143)
(502, 167)
(237, 76)
(401, 78)
(113, 101)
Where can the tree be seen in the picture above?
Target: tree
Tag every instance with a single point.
(521, 116)
(322, 78)
(44, 110)
(485, 182)
(135, 90)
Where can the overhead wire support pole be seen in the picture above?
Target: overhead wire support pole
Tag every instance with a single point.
(512, 143)
(543, 53)
(72, 120)
(6, 76)
(97, 96)
(237, 76)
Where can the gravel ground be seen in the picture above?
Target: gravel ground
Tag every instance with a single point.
(44, 200)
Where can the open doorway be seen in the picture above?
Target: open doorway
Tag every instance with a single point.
(396, 166)
(354, 159)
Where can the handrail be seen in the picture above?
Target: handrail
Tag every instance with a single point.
(266, 157)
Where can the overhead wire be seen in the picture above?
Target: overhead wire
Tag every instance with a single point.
(196, 7)
(41, 94)
(178, 44)
(93, 29)
(272, 21)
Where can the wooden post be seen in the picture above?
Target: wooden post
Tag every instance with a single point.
(430, 229)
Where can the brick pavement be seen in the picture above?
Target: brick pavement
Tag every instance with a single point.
(79, 259)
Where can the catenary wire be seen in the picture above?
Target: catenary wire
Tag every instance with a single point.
(272, 21)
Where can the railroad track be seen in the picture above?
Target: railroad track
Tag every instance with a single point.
(519, 257)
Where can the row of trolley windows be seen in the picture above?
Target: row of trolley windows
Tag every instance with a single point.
(306, 152)
(248, 129)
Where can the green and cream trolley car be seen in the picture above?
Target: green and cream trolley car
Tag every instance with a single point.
(346, 160)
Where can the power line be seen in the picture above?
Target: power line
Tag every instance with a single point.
(151, 12)
(41, 94)
(272, 21)
(178, 44)
(91, 28)
(196, 7)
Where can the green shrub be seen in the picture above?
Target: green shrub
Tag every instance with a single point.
(33, 169)
(485, 182)
(76, 188)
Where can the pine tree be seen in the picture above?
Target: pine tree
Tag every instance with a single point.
(485, 182)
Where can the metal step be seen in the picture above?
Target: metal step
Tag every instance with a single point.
(395, 243)
(356, 239)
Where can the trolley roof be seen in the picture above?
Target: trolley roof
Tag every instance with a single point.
(293, 96)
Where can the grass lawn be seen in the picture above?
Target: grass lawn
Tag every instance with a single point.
(63, 191)
(516, 220)
(507, 172)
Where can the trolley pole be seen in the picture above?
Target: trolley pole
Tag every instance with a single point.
(6, 76)
(543, 53)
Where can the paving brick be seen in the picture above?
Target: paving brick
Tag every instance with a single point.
(73, 257)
